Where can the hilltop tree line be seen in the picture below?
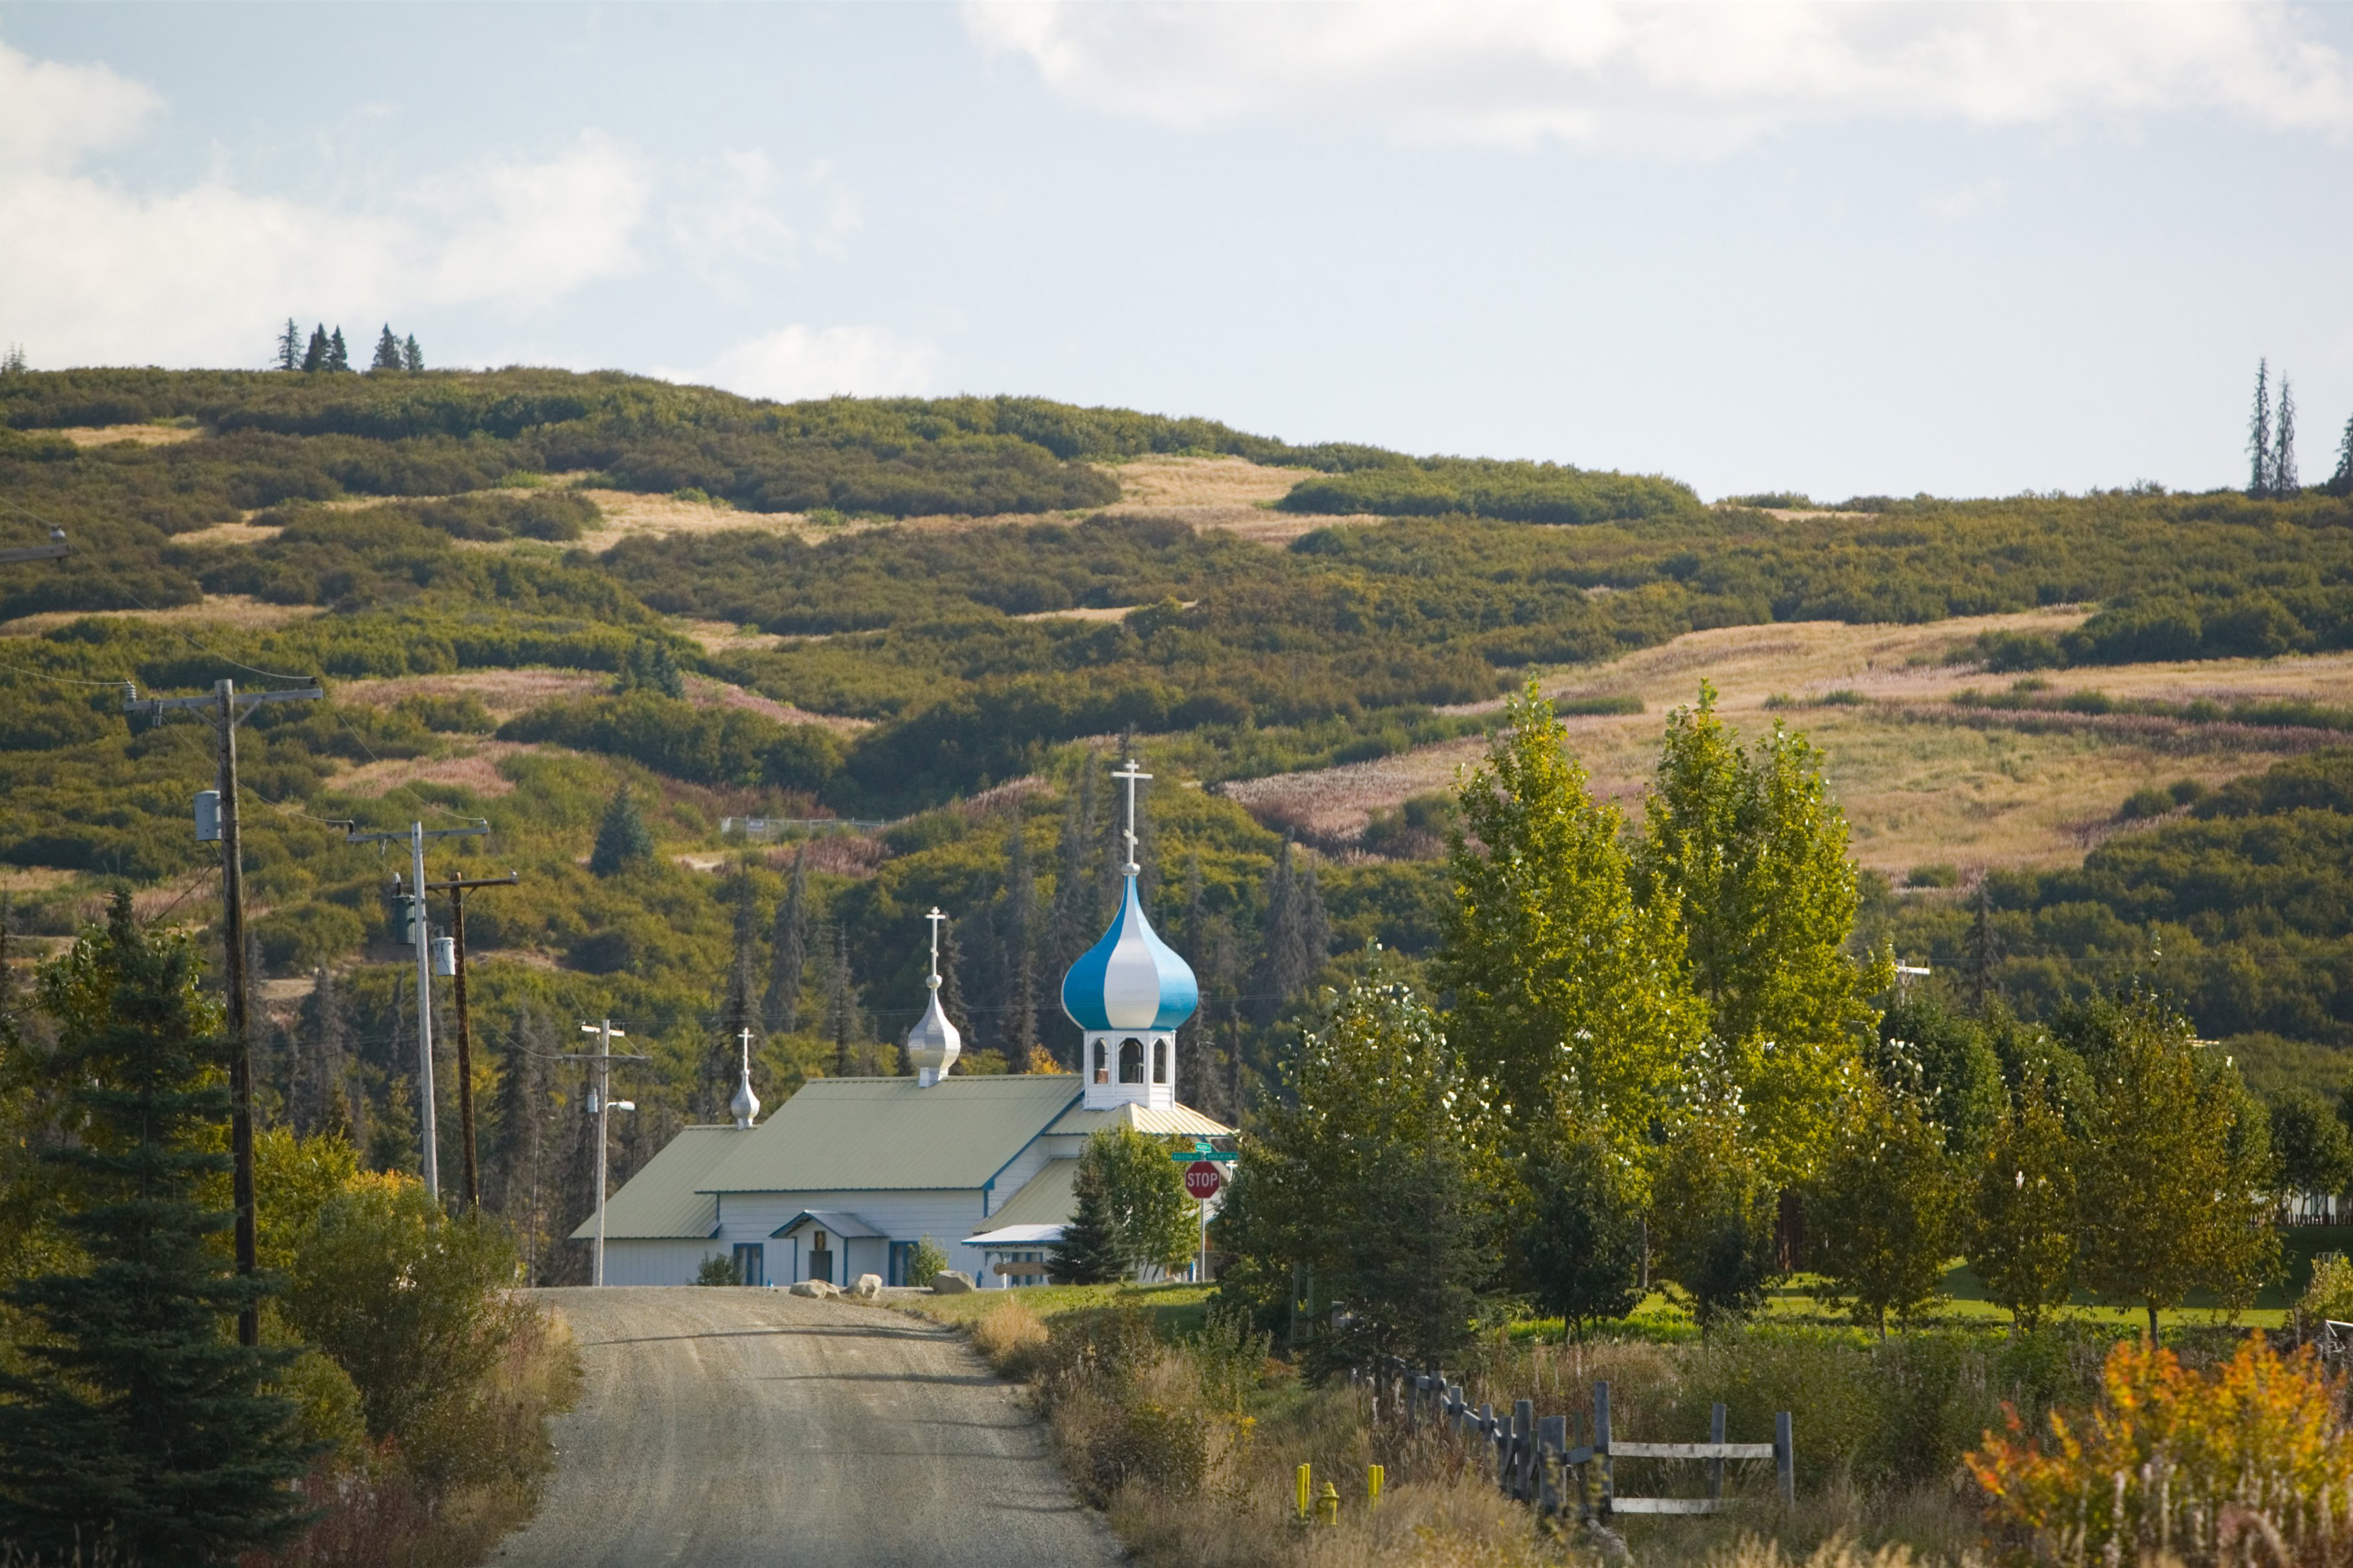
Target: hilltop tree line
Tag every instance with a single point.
(326, 351)
(2271, 444)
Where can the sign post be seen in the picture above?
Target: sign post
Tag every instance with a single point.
(1202, 1182)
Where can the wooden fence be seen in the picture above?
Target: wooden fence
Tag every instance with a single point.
(1535, 1463)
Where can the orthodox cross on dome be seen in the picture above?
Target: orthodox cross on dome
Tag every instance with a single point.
(935, 918)
(745, 1105)
(745, 1036)
(1131, 773)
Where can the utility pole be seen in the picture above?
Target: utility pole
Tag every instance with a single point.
(601, 1107)
(229, 705)
(456, 888)
(417, 836)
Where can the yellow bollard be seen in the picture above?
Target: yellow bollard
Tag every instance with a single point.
(1374, 1476)
(1327, 1507)
(1302, 1493)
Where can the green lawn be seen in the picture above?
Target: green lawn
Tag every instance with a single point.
(1175, 1309)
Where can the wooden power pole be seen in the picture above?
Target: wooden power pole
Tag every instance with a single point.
(226, 706)
(456, 888)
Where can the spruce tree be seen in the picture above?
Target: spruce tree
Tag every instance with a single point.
(1018, 928)
(412, 358)
(289, 346)
(952, 1001)
(2340, 483)
(2259, 435)
(2285, 479)
(1089, 1251)
(740, 1009)
(387, 351)
(135, 1418)
(521, 1112)
(318, 1098)
(1076, 917)
(843, 1025)
(339, 357)
(788, 953)
(1283, 966)
(623, 840)
(575, 1197)
(392, 1140)
(315, 357)
(1983, 950)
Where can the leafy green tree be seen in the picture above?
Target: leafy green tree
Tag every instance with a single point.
(1569, 994)
(412, 358)
(1581, 1250)
(1713, 1219)
(134, 1413)
(387, 352)
(1944, 1062)
(411, 1302)
(1153, 1220)
(1883, 1209)
(1751, 852)
(2173, 1191)
(623, 840)
(2316, 1152)
(2021, 1239)
(1382, 1130)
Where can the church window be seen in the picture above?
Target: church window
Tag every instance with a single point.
(1160, 1061)
(1100, 1050)
(1131, 1061)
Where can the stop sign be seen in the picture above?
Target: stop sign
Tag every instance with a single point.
(1202, 1180)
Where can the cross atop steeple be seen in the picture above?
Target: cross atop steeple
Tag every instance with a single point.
(1131, 773)
(935, 918)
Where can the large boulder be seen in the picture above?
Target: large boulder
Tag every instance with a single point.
(952, 1282)
(820, 1289)
(868, 1288)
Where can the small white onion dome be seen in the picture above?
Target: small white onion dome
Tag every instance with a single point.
(745, 1105)
(933, 1043)
(1131, 979)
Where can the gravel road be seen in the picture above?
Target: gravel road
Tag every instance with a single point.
(721, 1427)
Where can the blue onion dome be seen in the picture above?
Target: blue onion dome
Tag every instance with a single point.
(1131, 979)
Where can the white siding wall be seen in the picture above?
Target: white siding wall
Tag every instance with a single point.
(658, 1262)
(947, 1217)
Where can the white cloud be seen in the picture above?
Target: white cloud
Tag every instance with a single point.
(798, 362)
(95, 272)
(1676, 78)
(1964, 203)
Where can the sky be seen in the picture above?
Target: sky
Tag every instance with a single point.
(1843, 249)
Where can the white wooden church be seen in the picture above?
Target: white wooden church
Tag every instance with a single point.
(853, 1172)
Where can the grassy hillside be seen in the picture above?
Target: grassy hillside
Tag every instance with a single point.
(527, 589)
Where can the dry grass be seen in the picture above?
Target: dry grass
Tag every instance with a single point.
(117, 435)
(627, 513)
(231, 533)
(507, 692)
(1011, 1337)
(474, 768)
(1157, 483)
(724, 636)
(1921, 781)
(241, 611)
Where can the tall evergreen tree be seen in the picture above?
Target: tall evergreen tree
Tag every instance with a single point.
(1088, 1251)
(1298, 935)
(339, 356)
(623, 840)
(843, 1025)
(289, 346)
(135, 1417)
(1017, 938)
(574, 1197)
(319, 1097)
(2340, 483)
(1077, 912)
(387, 351)
(740, 1008)
(412, 358)
(788, 953)
(2259, 435)
(520, 1114)
(315, 357)
(952, 1001)
(1983, 953)
(2285, 481)
(392, 1137)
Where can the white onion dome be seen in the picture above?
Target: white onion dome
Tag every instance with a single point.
(745, 1107)
(934, 1044)
(1131, 979)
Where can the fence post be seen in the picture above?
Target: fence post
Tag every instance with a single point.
(1413, 1387)
(1716, 1466)
(1552, 1448)
(1523, 1447)
(1601, 1445)
(1785, 1458)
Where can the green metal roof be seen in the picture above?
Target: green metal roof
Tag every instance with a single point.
(1049, 1199)
(853, 1134)
(664, 1200)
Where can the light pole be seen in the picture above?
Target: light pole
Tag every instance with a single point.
(601, 1108)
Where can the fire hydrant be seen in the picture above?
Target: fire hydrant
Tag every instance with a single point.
(1327, 1507)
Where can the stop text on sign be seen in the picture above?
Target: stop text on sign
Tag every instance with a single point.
(1202, 1180)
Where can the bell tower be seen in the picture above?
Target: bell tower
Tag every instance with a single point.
(1128, 993)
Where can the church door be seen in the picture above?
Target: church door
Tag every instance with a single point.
(821, 1258)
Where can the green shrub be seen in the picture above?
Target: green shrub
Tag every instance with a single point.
(306, 935)
(2147, 801)
(718, 1269)
(926, 1261)
(1937, 874)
